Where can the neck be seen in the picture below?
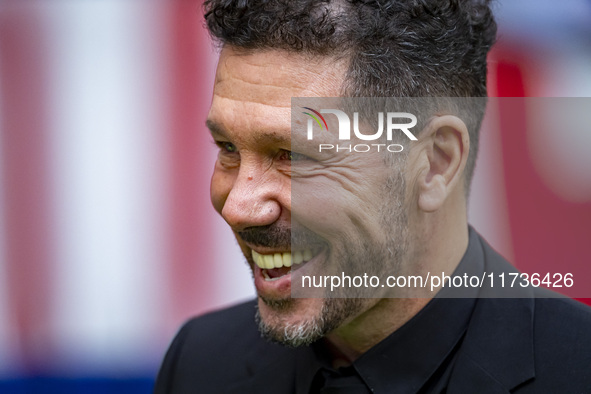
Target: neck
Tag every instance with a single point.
(439, 248)
(387, 315)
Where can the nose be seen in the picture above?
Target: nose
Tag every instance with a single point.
(255, 199)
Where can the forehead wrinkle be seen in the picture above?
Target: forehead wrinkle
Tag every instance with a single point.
(231, 114)
(259, 137)
(253, 93)
(249, 100)
(236, 89)
(326, 73)
(256, 75)
(242, 77)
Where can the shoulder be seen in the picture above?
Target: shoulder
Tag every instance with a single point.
(530, 339)
(554, 311)
(562, 347)
(233, 330)
(222, 323)
(554, 315)
(562, 333)
(212, 349)
(217, 334)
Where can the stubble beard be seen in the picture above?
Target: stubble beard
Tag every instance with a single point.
(333, 313)
(335, 309)
(345, 304)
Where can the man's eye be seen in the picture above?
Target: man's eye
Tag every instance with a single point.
(226, 146)
(293, 156)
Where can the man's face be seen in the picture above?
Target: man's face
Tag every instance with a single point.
(342, 217)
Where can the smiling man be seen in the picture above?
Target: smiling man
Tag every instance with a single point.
(299, 212)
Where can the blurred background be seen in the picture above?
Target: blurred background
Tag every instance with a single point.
(108, 241)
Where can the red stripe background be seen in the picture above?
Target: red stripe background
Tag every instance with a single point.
(192, 258)
(546, 231)
(27, 179)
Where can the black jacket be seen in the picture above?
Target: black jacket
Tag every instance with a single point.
(518, 345)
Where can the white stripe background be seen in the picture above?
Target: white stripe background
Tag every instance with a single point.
(108, 157)
(108, 143)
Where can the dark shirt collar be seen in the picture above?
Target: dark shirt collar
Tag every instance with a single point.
(406, 360)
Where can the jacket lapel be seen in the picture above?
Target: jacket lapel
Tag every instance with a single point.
(497, 354)
(276, 378)
(271, 368)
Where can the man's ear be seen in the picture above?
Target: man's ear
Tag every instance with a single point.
(447, 147)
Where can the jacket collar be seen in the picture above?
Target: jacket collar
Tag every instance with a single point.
(498, 351)
(271, 368)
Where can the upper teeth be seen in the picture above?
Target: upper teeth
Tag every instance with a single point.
(278, 260)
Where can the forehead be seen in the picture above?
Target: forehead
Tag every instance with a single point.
(253, 90)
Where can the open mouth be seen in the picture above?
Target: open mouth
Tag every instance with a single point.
(276, 265)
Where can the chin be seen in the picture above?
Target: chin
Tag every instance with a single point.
(292, 322)
(298, 322)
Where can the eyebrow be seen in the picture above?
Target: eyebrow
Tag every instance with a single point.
(215, 128)
(260, 137)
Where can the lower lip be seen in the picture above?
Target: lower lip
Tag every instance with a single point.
(279, 288)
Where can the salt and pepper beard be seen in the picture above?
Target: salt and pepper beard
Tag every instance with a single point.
(338, 308)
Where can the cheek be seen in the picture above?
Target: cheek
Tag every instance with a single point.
(221, 185)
